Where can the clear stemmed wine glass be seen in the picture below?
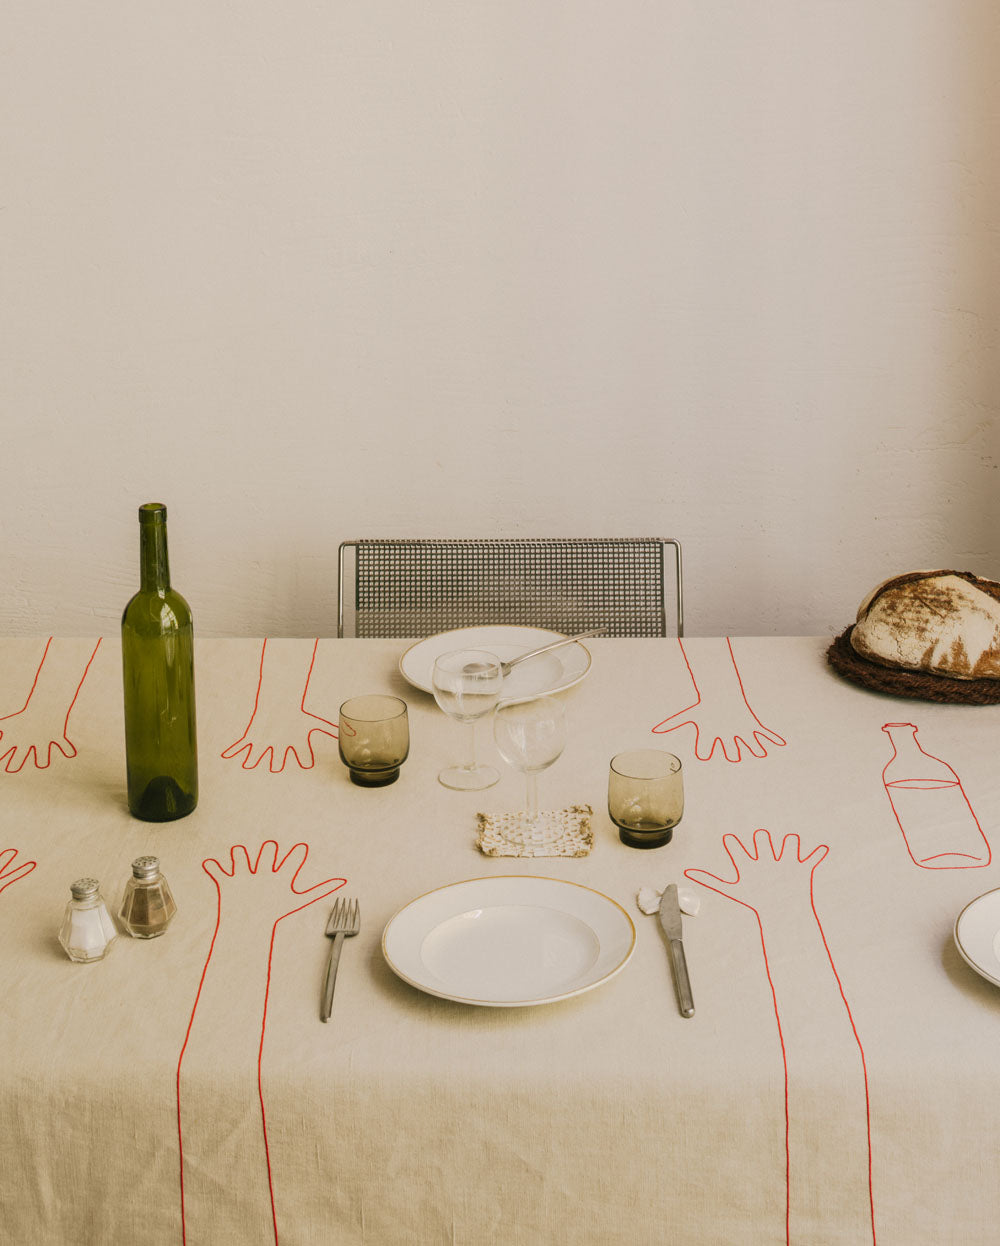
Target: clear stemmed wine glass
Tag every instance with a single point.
(531, 735)
(467, 685)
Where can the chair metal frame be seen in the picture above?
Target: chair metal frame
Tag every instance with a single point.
(412, 587)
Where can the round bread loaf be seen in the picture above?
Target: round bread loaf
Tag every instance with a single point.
(941, 622)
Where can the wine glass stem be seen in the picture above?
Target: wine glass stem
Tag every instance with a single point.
(532, 794)
(471, 763)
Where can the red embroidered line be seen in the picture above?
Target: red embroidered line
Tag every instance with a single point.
(243, 745)
(34, 685)
(7, 858)
(32, 750)
(662, 727)
(755, 856)
(739, 680)
(253, 867)
(861, 1051)
(976, 862)
(312, 663)
(738, 740)
(256, 699)
(180, 1059)
(917, 784)
(86, 670)
(260, 1058)
(784, 1067)
(694, 681)
(260, 1085)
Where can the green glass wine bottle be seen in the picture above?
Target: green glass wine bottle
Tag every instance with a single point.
(161, 751)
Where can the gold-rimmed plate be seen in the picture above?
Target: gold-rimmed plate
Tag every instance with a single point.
(512, 941)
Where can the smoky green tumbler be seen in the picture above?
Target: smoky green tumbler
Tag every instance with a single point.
(161, 751)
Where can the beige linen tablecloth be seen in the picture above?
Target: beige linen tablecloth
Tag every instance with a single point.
(839, 1082)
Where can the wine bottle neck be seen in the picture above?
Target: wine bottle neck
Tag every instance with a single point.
(154, 567)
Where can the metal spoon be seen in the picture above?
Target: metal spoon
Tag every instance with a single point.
(473, 668)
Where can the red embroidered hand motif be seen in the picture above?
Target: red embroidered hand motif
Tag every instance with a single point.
(40, 728)
(280, 726)
(721, 714)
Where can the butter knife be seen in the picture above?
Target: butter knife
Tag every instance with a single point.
(670, 920)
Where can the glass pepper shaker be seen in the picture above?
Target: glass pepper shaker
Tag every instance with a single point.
(87, 930)
(147, 905)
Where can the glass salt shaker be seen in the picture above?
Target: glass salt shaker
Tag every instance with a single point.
(87, 930)
(147, 905)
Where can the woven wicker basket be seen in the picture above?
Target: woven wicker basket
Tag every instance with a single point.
(915, 685)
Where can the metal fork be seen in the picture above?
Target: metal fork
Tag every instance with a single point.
(344, 923)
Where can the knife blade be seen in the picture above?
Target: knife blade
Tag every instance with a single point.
(670, 922)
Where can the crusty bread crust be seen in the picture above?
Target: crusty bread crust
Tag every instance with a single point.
(942, 622)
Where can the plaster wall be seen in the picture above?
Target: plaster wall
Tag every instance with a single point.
(723, 271)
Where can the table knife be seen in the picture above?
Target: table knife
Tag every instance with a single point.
(670, 920)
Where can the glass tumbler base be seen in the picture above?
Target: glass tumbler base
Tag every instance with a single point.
(374, 778)
(645, 839)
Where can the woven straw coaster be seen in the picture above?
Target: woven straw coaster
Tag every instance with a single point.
(917, 685)
(551, 833)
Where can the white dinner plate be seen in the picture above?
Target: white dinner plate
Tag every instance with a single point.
(550, 672)
(977, 935)
(509, 942)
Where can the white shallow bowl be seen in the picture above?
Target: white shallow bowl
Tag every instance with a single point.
(551, 672)
(511, 941)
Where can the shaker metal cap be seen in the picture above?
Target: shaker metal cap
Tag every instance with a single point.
(83, 888)
(146, 867)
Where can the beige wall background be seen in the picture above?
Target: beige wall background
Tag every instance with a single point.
(710, 269)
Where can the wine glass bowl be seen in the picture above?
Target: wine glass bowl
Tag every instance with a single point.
(530, 736)
(467, 684)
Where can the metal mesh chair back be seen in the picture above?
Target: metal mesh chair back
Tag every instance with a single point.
(410, 588)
